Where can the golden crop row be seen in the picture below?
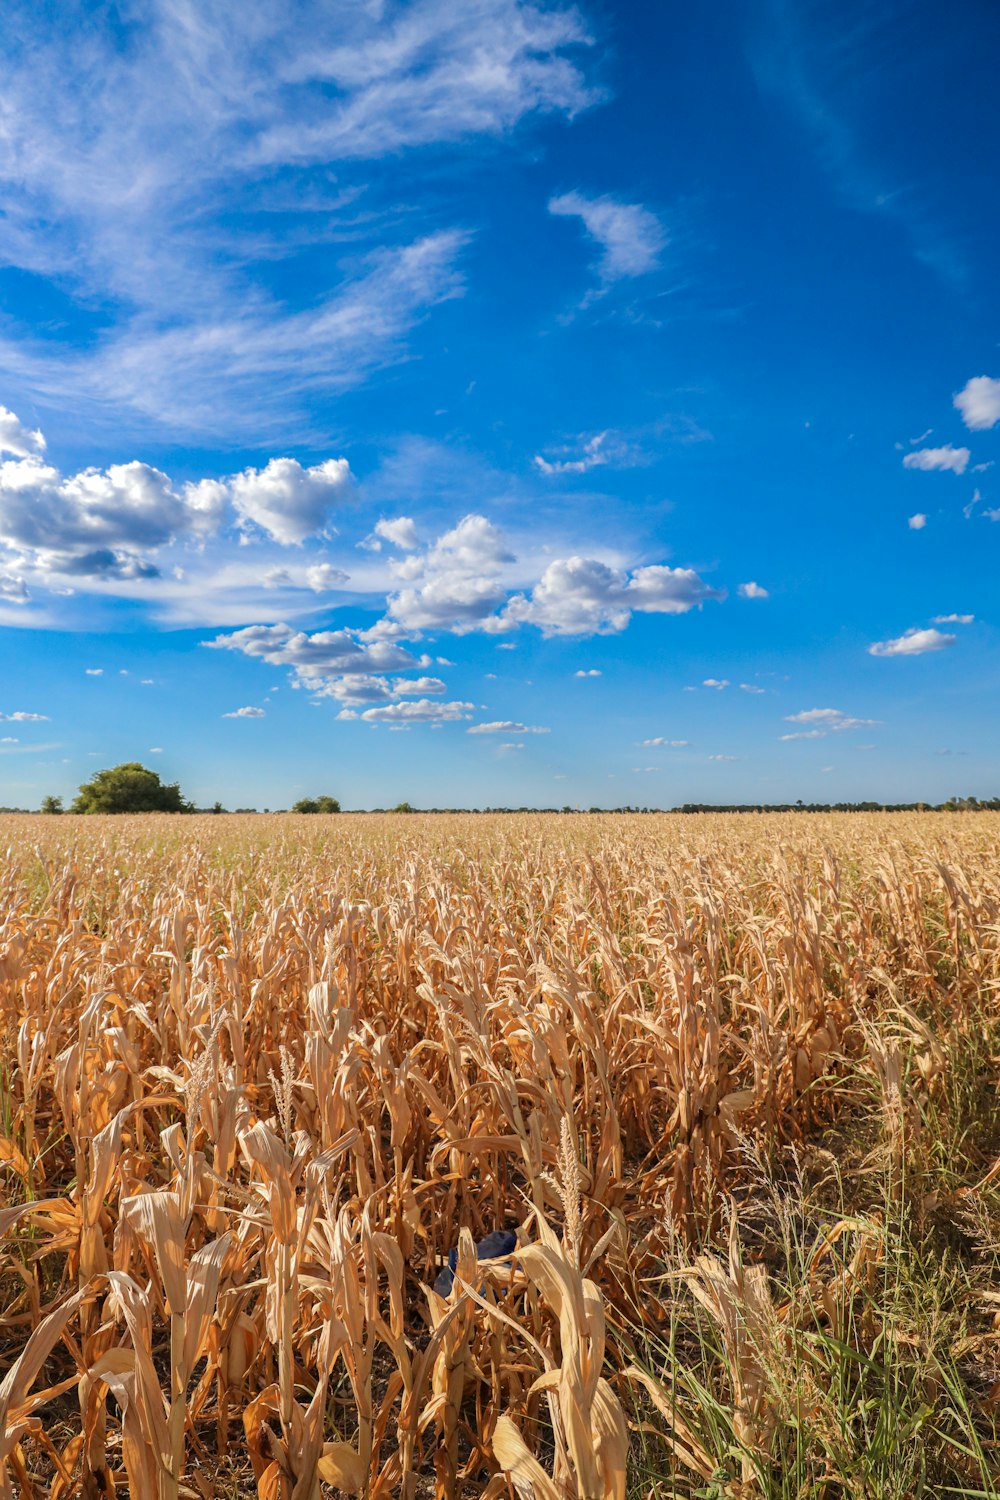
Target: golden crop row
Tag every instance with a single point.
(260, 1075)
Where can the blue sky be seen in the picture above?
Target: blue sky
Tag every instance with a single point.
(501, 403)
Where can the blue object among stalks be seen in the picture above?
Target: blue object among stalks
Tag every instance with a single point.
(501, 1243)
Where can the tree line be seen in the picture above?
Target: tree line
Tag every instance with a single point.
(134, 788)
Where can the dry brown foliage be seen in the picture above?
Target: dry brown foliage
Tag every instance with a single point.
(259, 1076)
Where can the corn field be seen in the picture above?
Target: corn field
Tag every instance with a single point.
(731, 1082)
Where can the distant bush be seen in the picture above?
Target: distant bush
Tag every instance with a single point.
(129, 788)
(317, 805)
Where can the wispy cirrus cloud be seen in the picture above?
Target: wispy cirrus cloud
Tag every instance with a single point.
(507, 726)
(145, 166)
(807, 57)
(819, 722)
(630, 238)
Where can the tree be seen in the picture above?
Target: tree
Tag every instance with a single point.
(129, 788)
(51, 805)
(317, 805)
(403, 807)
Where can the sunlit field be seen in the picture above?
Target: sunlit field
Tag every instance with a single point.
(730, 1081)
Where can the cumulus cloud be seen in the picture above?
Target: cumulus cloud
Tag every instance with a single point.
(752, 590)
(246, 713)
(947, 458)
(94, 671)
(631, 238)
(423, 711)
(583, 596)
(401, 532)
(350, 666)
(979, 403)
(21, 717)
(96, 522)
(913, 643)
(321, 577)
(588, 672)
(108, 524)
(953, 619)
(16, 438)
(661, 740)
(917, 522)
(318, 655)
(454, 584)
(288, 501)
(507, 726)
(723, 757)
(359, 687)
(718, 683)
(748, 687)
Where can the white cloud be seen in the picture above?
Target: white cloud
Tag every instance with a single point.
(589, 672)
(108, 525)
(97, 522)
(631, 239)
(246, 713)
(604, 448)
(155, 750)
(913, 643)
(748, 687)
(454, 584)
(718, 683)
(423, 711)
(752, 590)
(823, 721)
(321, 577)
(723, 757)
(954, 619)
(359, 687)
(21, 717)
(947, 458)
(661, 740)
(583, 596)
(401, 532)
(917, 522)
(144, 168)
(805, 734)
(13, 589)
(507, 726)
(337, 664)
(432, 73)
(314, 656)
(94, 671)
(979, 403)
(288, 501)
(9, 739)
(17, 439)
